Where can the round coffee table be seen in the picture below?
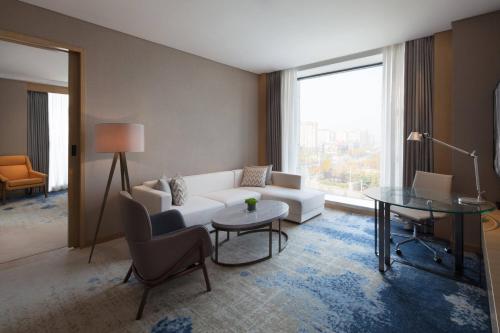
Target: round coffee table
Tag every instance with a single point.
(238, 219)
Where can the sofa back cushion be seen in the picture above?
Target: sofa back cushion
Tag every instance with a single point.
(12, 171)
(209, 182)
(238, 176)
(13, 160)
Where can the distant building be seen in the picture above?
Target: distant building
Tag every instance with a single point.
(308, 134)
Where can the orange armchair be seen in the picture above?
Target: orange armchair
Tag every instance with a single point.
(16, 173)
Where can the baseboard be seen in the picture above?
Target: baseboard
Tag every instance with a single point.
(104, 239)
(349, 208)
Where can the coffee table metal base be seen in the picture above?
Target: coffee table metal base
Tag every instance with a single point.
(268, 229)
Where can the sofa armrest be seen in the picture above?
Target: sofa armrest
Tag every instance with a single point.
(287, 180)
(155, 201)
(37, 174)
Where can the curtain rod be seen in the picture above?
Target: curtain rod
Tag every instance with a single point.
(340, 71)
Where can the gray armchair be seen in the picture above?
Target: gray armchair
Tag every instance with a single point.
(161, 246)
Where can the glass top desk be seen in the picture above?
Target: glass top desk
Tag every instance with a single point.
(421, 199)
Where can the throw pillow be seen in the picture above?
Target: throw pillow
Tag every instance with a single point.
(254, 176)
(269, 173)
(179, 190)
(162, 185)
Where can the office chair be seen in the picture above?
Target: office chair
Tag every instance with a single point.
(439, 183)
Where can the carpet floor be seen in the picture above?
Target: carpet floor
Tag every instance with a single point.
(33, 224)
(326, 280)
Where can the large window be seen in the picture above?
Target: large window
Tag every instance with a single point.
(340, 118)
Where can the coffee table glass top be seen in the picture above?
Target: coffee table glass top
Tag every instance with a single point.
(239, 218)
(425, 199)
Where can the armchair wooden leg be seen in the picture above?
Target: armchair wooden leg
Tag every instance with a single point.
(127, 277)
(45, 190)
(3, 193)
(143, 303)
(204, 268)
(205, 274)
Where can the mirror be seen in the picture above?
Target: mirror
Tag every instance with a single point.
(497, 129)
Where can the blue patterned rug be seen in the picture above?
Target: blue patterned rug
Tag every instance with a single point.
(329, 282)
(326, 280)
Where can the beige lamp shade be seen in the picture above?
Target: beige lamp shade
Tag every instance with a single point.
(119, 138)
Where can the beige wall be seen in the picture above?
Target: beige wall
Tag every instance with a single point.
(13, 122)
(476, 71)
(443, 115)
(199, 115)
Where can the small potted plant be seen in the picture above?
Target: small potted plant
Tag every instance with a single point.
(251, 204)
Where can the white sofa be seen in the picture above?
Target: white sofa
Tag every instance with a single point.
(210, 192)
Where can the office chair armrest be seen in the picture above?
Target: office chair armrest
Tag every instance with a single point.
(167, 221)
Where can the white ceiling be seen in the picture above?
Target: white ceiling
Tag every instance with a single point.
(267, 35)
(31, 64)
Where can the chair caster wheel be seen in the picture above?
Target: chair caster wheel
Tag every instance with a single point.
(398, 252)
(447, 250)
(437, 259)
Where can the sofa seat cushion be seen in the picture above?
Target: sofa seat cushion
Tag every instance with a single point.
(299, 201)
(25, 182)
(198, 210)
(232, 196)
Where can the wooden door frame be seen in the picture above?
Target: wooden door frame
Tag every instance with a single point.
(76, 90)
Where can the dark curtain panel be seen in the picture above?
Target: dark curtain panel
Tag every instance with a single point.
(38, 130)
(419, 72)
(273, 128)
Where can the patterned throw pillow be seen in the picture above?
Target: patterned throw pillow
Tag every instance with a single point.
(254, 176)
(179, 190)
(269, 173)
(162, 185)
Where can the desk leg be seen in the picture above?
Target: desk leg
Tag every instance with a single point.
(458, 231)
(387, 234)
(381, 236)
(375, 226)
(271, 240)
(279, 239)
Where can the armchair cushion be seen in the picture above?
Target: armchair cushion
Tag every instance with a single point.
(165, 222)
(14, 171)
(24, 182)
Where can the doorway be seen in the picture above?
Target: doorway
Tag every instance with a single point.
(36, 219)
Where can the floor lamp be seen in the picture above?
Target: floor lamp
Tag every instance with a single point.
(416, 136)
(116, 138)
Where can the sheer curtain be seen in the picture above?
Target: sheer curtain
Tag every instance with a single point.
(290, 120)
(391, 155)
(58, 141)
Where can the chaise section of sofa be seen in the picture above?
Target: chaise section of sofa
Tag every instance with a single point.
(210, 192)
